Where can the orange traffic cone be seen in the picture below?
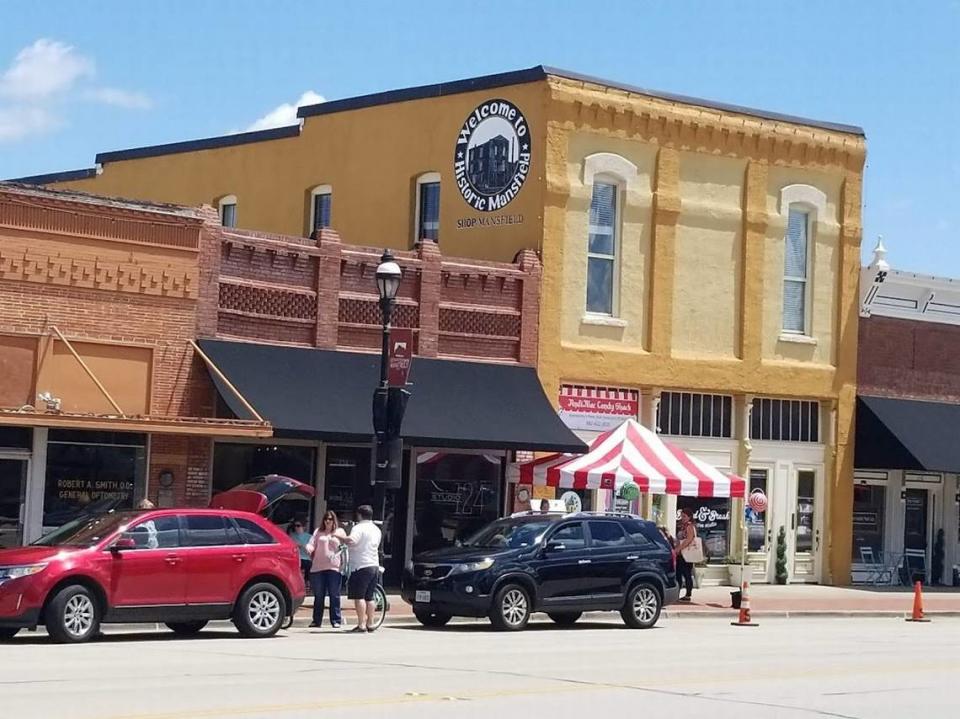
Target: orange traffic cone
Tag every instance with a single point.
(744, 619)
(917, 615)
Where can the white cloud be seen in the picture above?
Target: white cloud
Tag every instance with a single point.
(42, 79)
(17, 123)
(120, 98)
(285, 114)
(44, 69)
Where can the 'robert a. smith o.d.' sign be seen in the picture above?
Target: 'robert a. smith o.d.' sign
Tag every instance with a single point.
(492, 157)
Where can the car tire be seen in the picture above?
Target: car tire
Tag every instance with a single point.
(186, 629)
(8, 633)
(429, 618)
(565, 619)
(260, 611)
(511, 608)
(73, 615)
(641, 608)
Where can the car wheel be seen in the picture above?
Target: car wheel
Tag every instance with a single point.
(8, 633)
(72, 615)
(511, 608)
(641, 610)
(260, 611)
(565, 619)
(186, 629)
(430, 618)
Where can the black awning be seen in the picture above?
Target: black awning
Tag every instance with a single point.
(327, 394)
(907, 434)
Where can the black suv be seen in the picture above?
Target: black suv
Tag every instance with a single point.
(563, 565)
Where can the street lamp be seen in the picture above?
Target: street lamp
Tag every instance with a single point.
(388, 282)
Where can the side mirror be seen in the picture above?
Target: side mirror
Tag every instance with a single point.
(123, 543)
(553, 547)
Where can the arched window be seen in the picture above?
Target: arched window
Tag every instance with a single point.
(608, 176)
(801, 206)
(321, 207)
(427, 220)
(228, 210)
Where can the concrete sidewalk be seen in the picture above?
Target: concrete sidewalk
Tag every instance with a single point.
(797, 600)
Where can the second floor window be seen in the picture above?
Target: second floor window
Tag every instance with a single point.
(602, 248)
(795, 272)
(322, 205)
(228, 211)
(690, 414)
(428, 208)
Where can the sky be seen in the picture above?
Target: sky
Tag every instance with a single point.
(82, 77)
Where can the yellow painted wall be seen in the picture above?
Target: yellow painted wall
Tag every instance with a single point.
(371, 157)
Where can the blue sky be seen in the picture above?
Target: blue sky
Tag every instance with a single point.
(110, 75)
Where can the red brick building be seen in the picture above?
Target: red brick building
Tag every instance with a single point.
(906, 491)
(105, 397)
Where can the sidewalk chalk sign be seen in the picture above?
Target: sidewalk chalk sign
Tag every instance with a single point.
(597, 409)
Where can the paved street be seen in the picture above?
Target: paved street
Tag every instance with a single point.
(784, 668)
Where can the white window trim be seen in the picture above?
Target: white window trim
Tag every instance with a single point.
(424, 179)
(318, 190)
(812, 201)
(613, 169)
(228, 200)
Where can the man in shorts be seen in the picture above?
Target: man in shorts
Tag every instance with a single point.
(364, 544)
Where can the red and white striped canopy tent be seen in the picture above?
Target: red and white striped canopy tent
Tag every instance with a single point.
(631, 453)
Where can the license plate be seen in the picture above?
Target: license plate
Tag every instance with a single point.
(422, 596)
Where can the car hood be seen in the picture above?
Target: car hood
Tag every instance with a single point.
(461, 555)
(32, 555)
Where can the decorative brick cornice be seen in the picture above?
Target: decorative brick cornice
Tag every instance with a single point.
(24, 265)
(703, 129)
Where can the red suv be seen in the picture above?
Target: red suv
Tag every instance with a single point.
(182, 567)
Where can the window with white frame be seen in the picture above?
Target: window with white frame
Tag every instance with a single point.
(785, 420)
(427, 224)
(228, 211)
(602, 247)
(690, 414)
(321, 205)
(796, 271)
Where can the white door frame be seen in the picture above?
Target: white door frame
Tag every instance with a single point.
(762, 562)
(26, 484)
(933, 483)
(819, 500)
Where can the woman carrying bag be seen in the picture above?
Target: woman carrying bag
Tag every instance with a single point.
(689, 552)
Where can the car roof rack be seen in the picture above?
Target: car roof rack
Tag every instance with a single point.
(604, 513)
(536, 513)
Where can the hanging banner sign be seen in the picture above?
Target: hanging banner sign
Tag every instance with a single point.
(400, 357)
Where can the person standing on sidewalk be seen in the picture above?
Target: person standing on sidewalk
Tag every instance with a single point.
(686, 542)
(364, 544)
(296, 532)
(326, 559)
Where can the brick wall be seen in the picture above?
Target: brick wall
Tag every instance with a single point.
(319, 292)
(909, 359)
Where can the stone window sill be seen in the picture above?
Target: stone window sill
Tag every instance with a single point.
(603, 321)
(798, 339)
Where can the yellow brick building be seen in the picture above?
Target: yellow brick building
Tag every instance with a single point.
(700, 259)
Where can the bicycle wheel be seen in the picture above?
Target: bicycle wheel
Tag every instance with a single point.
(380, 599)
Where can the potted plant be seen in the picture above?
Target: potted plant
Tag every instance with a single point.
(781, 574)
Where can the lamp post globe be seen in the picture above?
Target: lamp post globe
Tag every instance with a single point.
(388, 277)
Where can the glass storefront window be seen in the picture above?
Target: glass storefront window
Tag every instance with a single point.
(711, 515)
(235, 464)
(347, 480)
(456, 495)
(90, 473)
(806, 482)
(757, 523)
(869, 505)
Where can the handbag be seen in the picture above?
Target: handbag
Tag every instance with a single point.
(693, 552)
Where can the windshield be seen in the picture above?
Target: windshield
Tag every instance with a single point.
(509, 534)
(85, 531)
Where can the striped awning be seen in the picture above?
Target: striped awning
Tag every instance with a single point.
(631, 453)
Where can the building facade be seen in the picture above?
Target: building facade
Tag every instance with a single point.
(906, 491)
(700, 260)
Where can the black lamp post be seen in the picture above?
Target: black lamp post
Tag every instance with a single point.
(388, 402)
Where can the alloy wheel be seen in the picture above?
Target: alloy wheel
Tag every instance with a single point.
(645, 604)
(78, 615)
(514, 607)
(264, 610)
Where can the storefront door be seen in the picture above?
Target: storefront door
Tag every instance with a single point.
(13, 490)
(759, 525)
(916, 532)
(806, 525)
